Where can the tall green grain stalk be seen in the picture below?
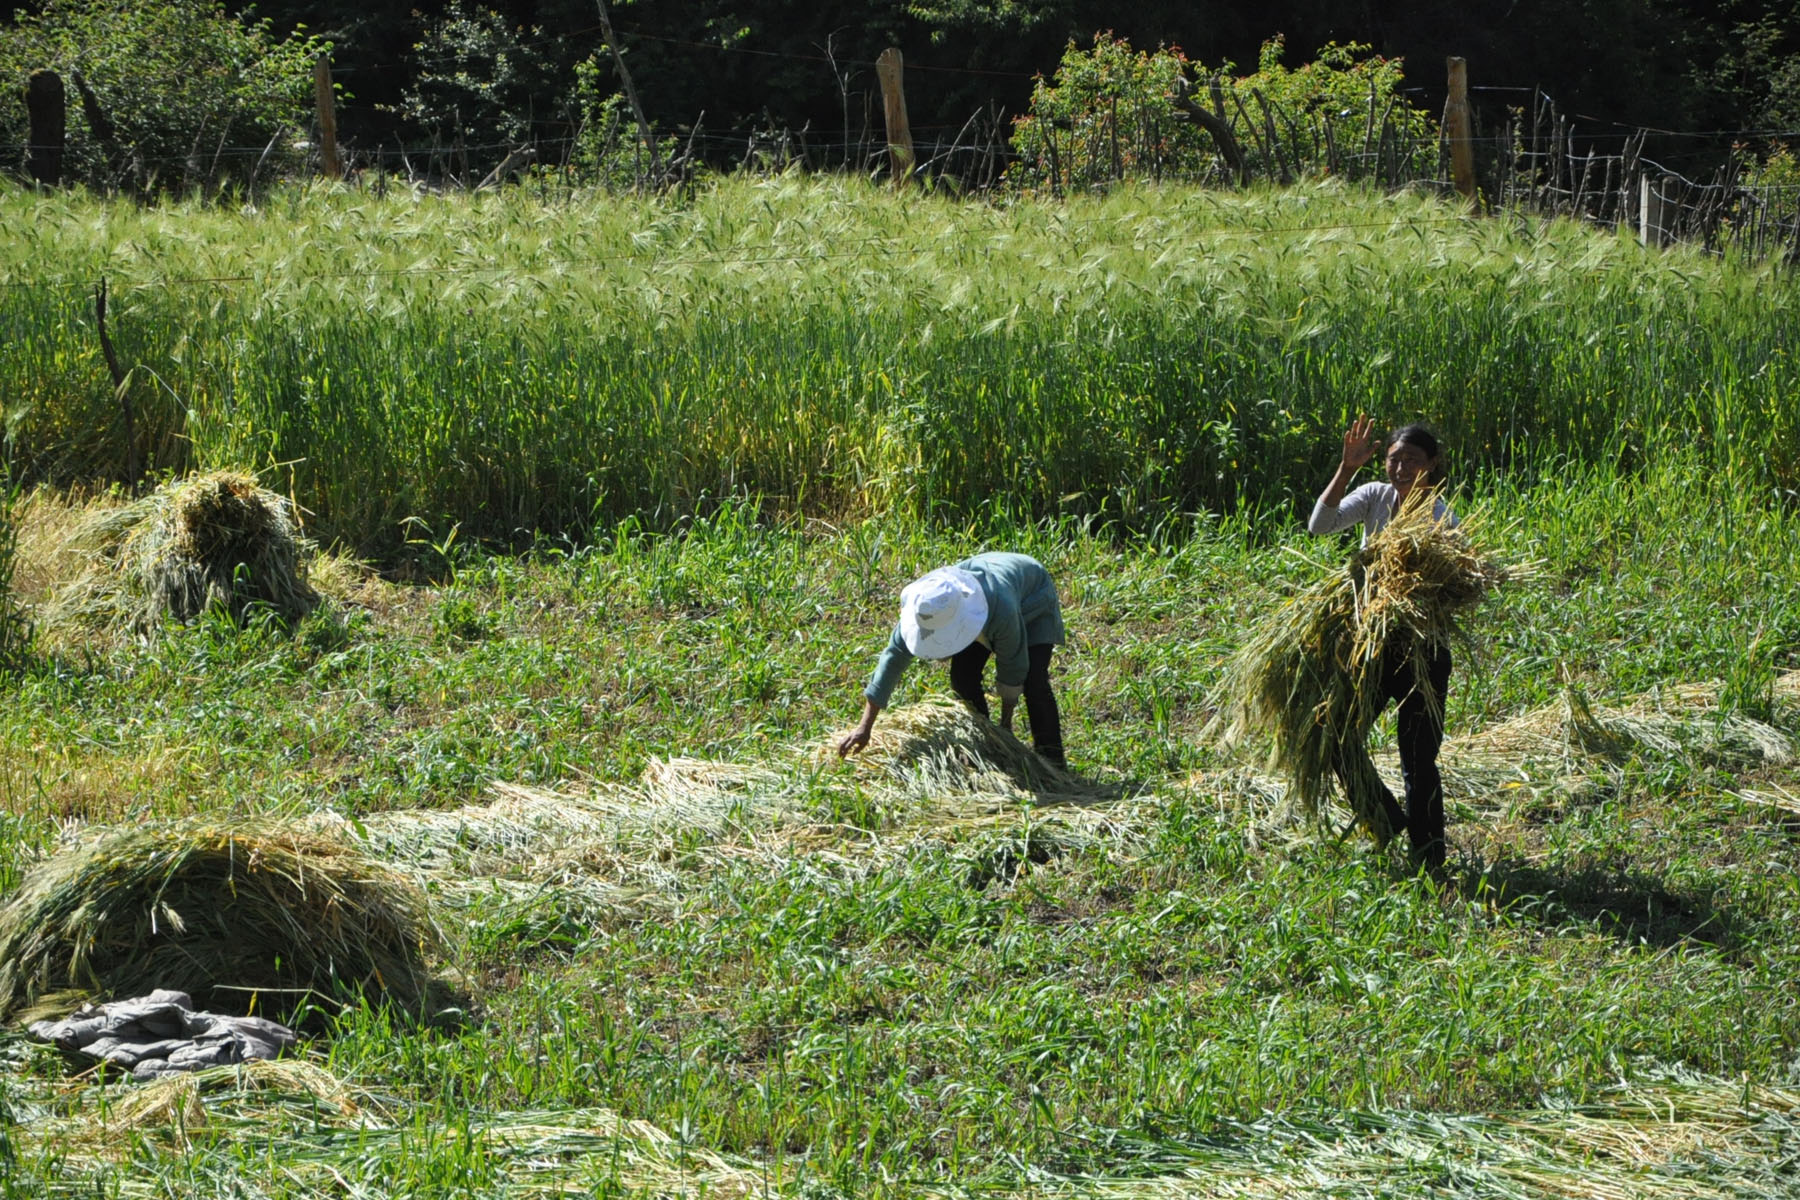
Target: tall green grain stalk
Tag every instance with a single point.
(517, 363)
(15, 627)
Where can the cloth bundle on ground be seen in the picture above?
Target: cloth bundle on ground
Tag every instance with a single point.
(161, 1034)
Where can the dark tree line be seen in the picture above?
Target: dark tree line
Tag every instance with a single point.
(1690, 66)
(487, 75)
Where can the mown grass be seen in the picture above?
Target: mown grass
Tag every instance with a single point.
(962, 1012)
(521, 363)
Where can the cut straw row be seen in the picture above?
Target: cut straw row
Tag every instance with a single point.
(1668, 1137)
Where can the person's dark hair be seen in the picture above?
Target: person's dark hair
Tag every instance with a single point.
(1422, 437)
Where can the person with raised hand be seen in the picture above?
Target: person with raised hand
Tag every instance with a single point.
(1413, 459)
(1414, 463)
(997, 605)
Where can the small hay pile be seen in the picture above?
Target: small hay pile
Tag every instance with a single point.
(943, 778)
(1309, 679)
(1686, 720)
(525, 844)
(217, 911)
(933, 775)
(1683, 1139)
(216, 540)
(941, 747)
(609, 852)
(225, 1130)
(695, 794)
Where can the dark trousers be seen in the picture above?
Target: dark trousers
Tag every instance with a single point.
(966, 667)
(1421, 732)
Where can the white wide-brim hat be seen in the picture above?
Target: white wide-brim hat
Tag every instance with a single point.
(942, 612)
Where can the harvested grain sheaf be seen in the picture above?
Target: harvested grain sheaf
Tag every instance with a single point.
(1308, 679)
(939, 747)
(218, 911)
(216, 540)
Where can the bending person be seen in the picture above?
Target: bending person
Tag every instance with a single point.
(1002, 606)
(1414, 461)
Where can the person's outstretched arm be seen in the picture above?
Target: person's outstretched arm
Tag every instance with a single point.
(857, 738)
(880, 690)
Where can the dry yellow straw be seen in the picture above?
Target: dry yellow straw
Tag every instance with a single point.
(217, 910)
(215, 540)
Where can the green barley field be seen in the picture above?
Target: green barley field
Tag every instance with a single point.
(531, 366)
(615, 497)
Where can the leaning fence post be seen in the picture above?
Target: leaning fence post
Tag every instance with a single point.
(329, 163)
(646, 135)
(121, 388)
(1456, 128)
(893, 98)
(47, 111)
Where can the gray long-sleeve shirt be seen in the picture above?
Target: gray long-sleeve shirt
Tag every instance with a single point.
(1373, 504)
(1023, 611)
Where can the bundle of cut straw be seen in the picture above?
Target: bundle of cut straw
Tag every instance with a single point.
(940, 746)
(1308, 680)
(216, 540)
(217, 911)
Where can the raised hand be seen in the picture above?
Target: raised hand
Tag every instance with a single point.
(1359, 442)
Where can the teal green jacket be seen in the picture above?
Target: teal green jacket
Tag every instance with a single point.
(1023, 611)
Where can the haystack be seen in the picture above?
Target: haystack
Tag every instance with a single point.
(211, 541)
(940, 747)
(1308, 681)
(219, 911)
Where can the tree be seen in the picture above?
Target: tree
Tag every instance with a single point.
(171, 92)
(482, 84)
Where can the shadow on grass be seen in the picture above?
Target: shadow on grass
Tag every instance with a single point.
(1629, 905)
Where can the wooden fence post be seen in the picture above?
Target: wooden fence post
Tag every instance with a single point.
(893, 99)
(1653, 212)
(47, 109)
(1456, 128)
(329, 163)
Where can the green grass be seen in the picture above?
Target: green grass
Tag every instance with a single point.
(953, 1013)
(516, 363)
(714, 437)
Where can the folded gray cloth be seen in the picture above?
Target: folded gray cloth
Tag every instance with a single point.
(161, 1034)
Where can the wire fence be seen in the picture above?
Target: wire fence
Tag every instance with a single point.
(1536, 163)
(1530, 157)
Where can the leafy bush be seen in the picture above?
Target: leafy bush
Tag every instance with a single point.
(192, 94)
(1780, 168)
(609, 148)
(1113, 113)
(477, 79)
